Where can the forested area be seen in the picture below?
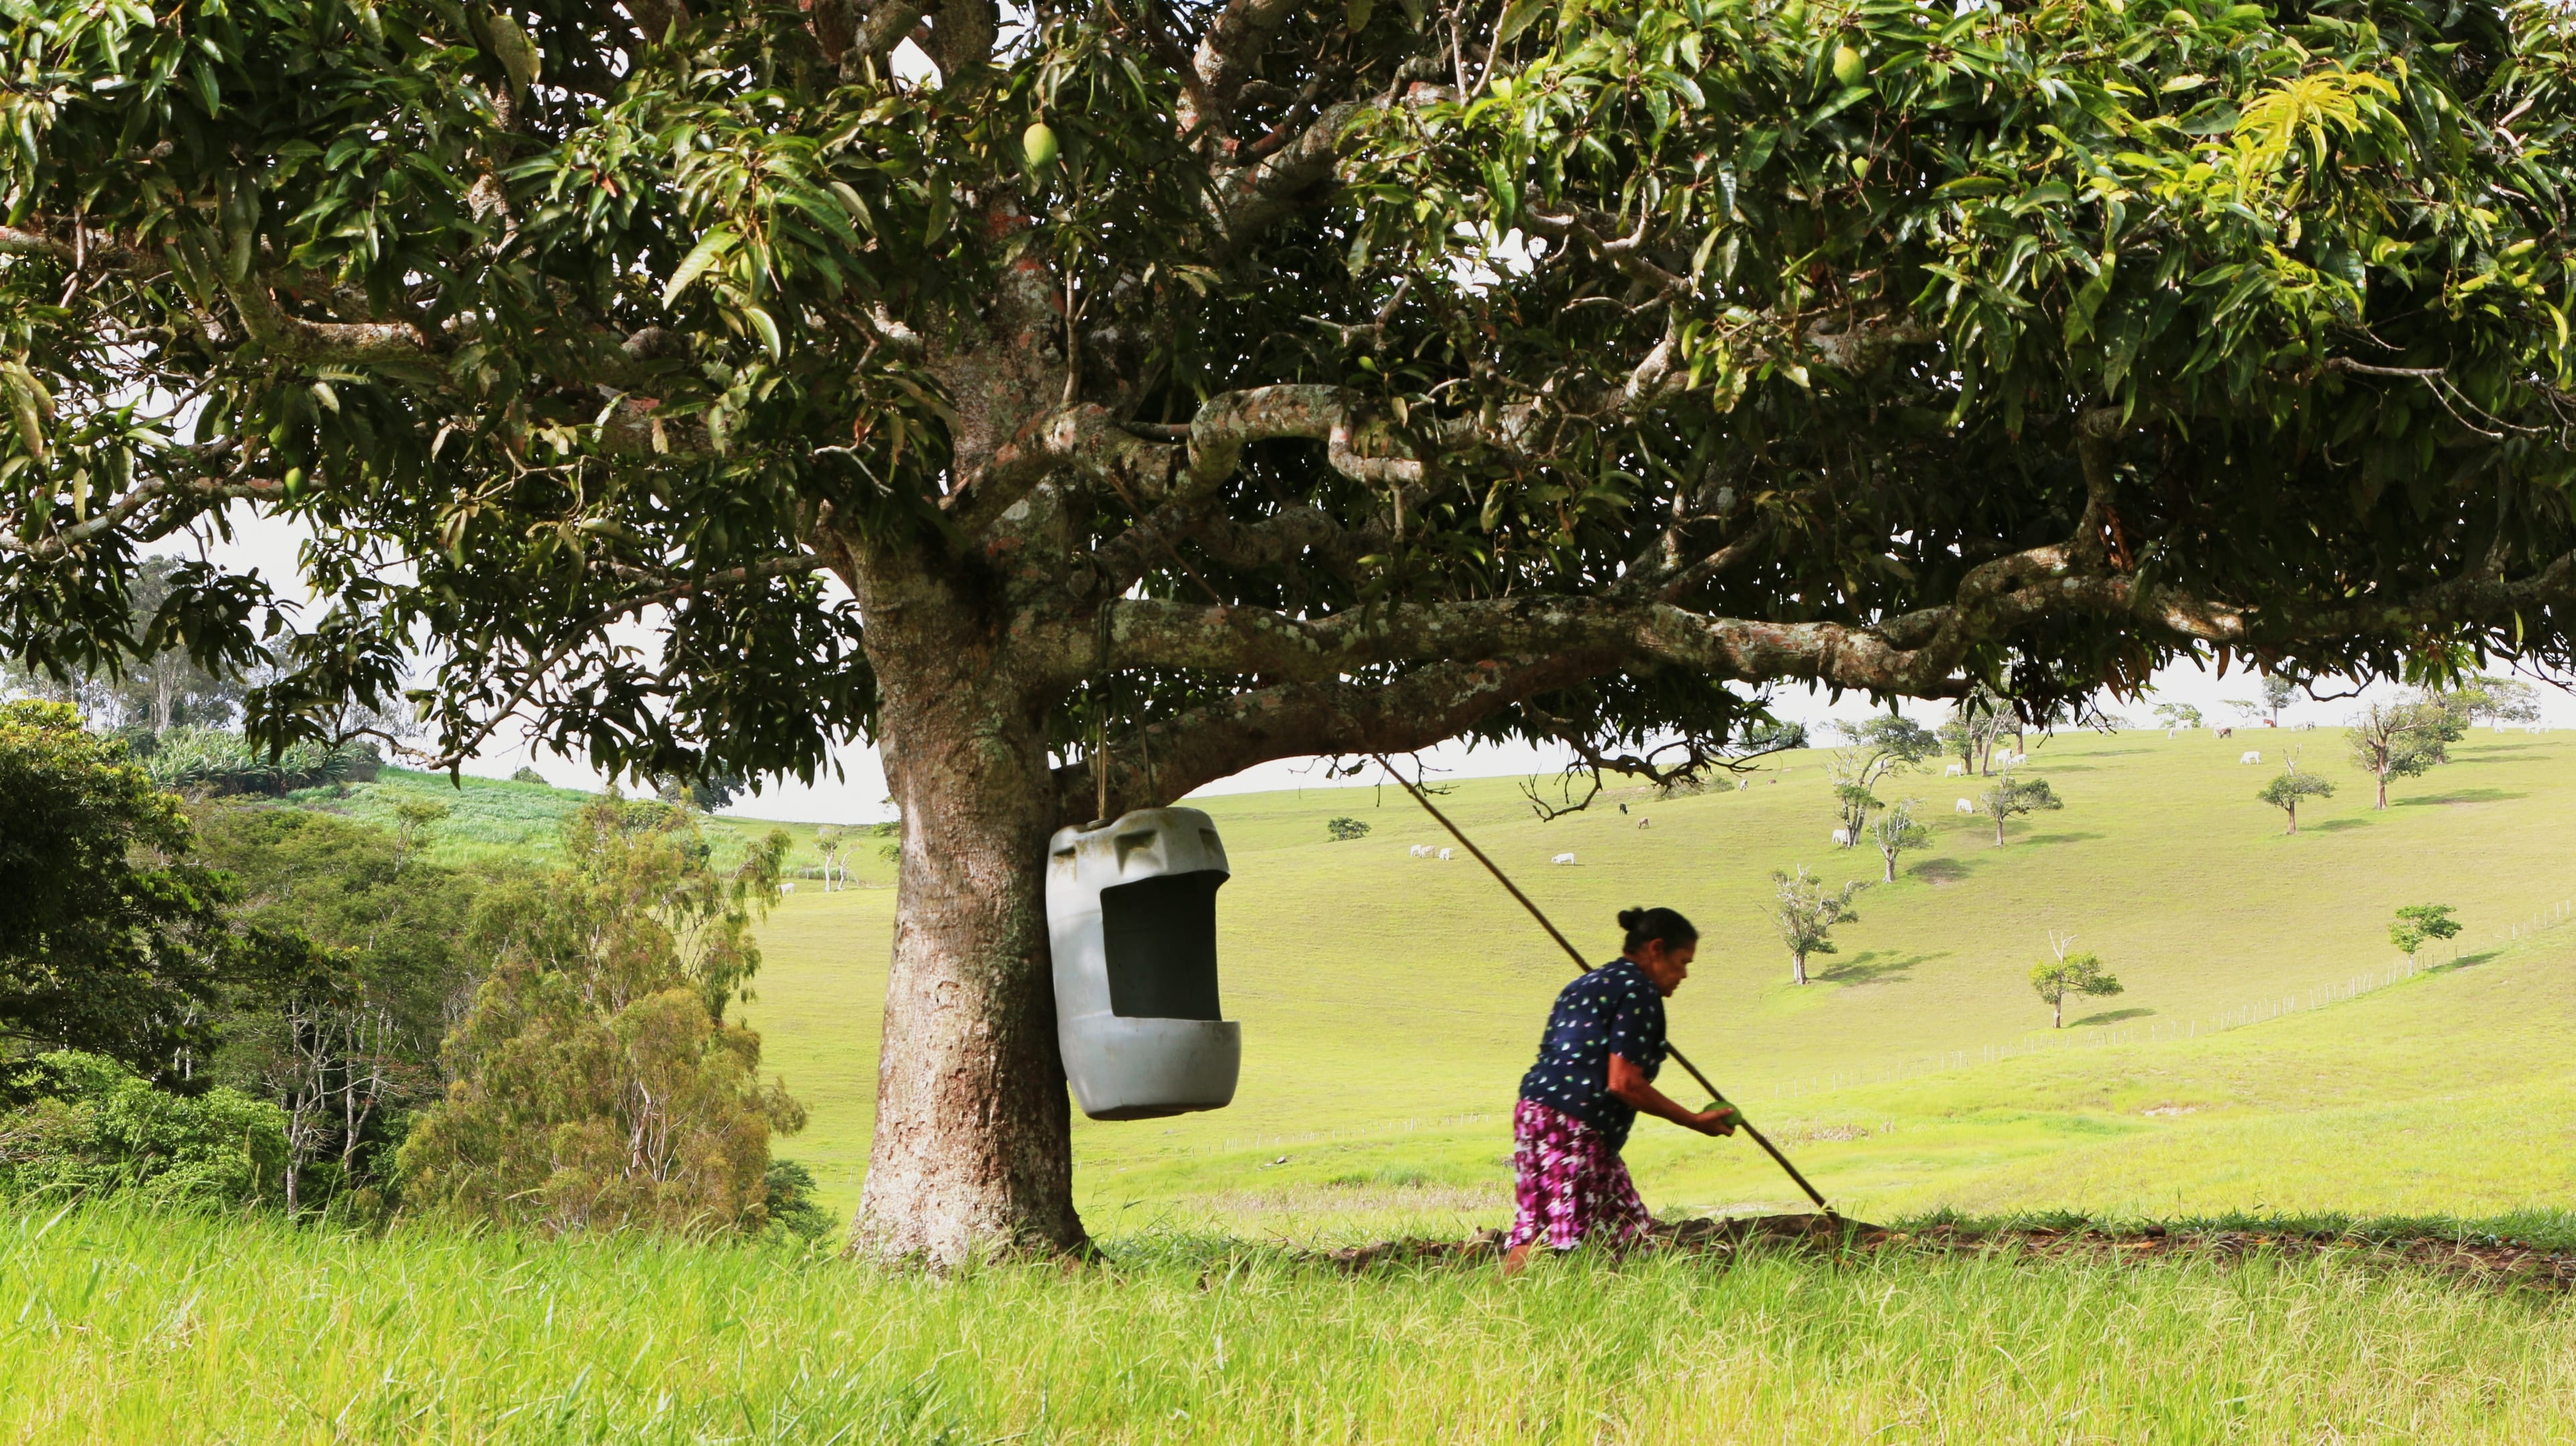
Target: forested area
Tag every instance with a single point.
(209, 999)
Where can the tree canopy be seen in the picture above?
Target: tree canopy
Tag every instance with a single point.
(1314, 381)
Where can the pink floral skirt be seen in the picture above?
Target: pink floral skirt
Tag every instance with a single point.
(1569, 1184)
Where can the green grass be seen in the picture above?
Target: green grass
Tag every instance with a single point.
(1389, 1004)
(128, 1327)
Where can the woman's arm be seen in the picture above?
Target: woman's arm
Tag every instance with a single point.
(1630, 1084)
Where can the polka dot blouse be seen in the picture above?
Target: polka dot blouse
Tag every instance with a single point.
(1612, 1010)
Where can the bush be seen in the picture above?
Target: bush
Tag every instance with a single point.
(105, 1130)
(791, 1204)
(527, 775)
(1344, 830)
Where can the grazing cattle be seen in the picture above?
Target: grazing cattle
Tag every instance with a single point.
(1966, 807)
(2169, 734)
(1444, 856)
(2249, 756)
(2224, 732)
(1422, 851)
(1955, 770)
(1645, 822)
(1562, 859)
(1742, 784)
(788, 887)
(1842, 838)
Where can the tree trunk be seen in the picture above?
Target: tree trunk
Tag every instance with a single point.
(1797, 968)
(973, 1151)
(2383, 792)
(1999, 833)
(2293, 812)
(2057, 1012)
(1891, 867)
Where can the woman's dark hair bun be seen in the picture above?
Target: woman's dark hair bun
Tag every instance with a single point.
(1646, 926)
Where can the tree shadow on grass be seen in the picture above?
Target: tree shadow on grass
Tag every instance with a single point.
(1877, 966)
(1938, 872)
(2458, 795)
(2057, 838)
(2465, 961)
(2109, 1016)
(2335, 825)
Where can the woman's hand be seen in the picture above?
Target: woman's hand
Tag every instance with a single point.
(1715, 1120)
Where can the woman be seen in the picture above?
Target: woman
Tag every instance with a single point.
(1596, 1069)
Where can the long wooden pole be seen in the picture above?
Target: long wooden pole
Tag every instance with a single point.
(1584, 966)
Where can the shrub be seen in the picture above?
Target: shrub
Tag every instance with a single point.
(1344, 830)
(104, 1129)
(595, 1085)
(527, 775)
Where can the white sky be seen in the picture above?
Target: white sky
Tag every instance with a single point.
(858, 796)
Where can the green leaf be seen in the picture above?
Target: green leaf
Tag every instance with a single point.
(710, 249)
(1357, 12)
(767, 325)
(1518, 16)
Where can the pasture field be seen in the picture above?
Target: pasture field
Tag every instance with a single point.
(172, 1330)
(1389, 1003)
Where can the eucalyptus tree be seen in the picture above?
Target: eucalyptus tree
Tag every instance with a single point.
(1132, 392)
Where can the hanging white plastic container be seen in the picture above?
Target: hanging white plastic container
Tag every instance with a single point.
(1131, 913)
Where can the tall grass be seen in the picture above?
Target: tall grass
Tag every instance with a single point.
(131, 1326)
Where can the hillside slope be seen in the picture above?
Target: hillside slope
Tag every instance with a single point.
(1381, 994)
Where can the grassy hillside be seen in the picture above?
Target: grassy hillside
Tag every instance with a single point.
(1389, 1004)
(494, 818)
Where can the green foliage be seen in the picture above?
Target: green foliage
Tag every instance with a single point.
(2070, 974)
(2406, 738)
(1343, 830)
(789, 1204)
(214, 761)
(2290, 788)
(2011, 797)
(346, 1044)
(1805, 912)
(2178, 715)
(594, 1084)
(101, 1129)
(1875, 748)
(526, 774)
(112, 939)
(1898, 831)
(2420, 924)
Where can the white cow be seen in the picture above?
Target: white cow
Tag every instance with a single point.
(1422, 851)
(1645, 823)
(2249, 756)
(1562, 859)
(1444, 856)
(788, 887)
(1966, 807)
(1842, 838)
(1955, 770)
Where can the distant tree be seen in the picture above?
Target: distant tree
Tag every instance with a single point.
(706, 793)
(2178, 715)
(595, 1084)
(526, 774)
(2420, 924)
(1897, 830)
(1344, 830)
(2292, 787)
(2277, 692)
(1977, 720)
(1873, 749)
(2077, 974)
(2012, 796)
(2401, 739)
(2489, 700)
(1775, 736)
(114, 938)
(829, 841)
(1805, 912)
(147, 694)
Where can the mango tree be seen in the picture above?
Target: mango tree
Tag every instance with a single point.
(1086, 401)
